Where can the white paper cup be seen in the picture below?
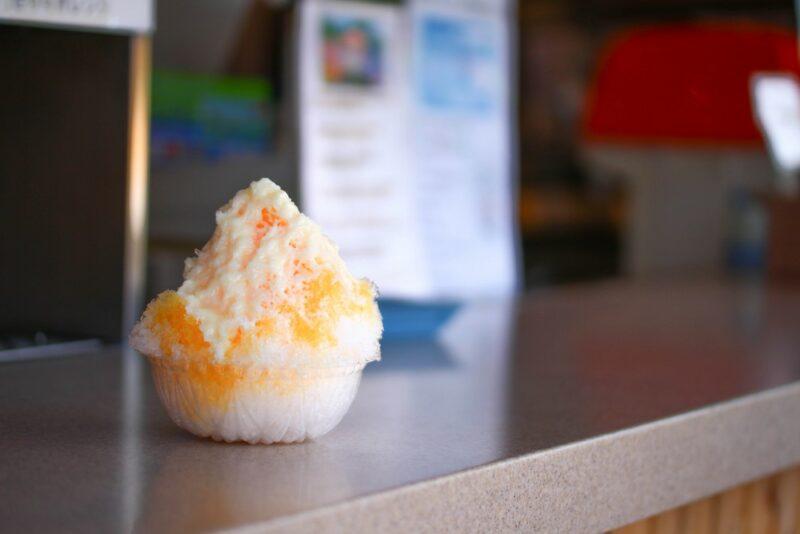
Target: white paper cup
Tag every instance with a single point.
(257, 405)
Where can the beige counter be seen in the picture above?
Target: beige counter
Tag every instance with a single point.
(580, 409)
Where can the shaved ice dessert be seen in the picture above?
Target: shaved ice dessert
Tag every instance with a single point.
(266, 339)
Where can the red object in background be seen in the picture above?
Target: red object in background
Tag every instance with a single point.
(684, 83)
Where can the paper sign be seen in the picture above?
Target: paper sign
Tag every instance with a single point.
(776, 100)
(405, 150)
(462, 147)
(118, 15)
(354, 158)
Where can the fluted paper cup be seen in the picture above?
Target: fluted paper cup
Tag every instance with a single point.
(230, 403)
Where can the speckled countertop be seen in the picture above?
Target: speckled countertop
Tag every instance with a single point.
(574, 410)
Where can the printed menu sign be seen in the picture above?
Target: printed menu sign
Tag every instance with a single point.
(461, 146)
(354, 165)
(404, 143)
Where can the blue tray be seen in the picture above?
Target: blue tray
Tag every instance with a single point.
(409, 320)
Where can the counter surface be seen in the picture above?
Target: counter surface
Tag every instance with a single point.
(577, 409)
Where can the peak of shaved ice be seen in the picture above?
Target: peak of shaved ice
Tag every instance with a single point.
(268, 290)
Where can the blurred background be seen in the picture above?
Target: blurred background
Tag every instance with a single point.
(634, 125)
(455, 150)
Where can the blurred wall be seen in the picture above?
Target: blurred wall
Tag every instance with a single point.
(196, 35)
